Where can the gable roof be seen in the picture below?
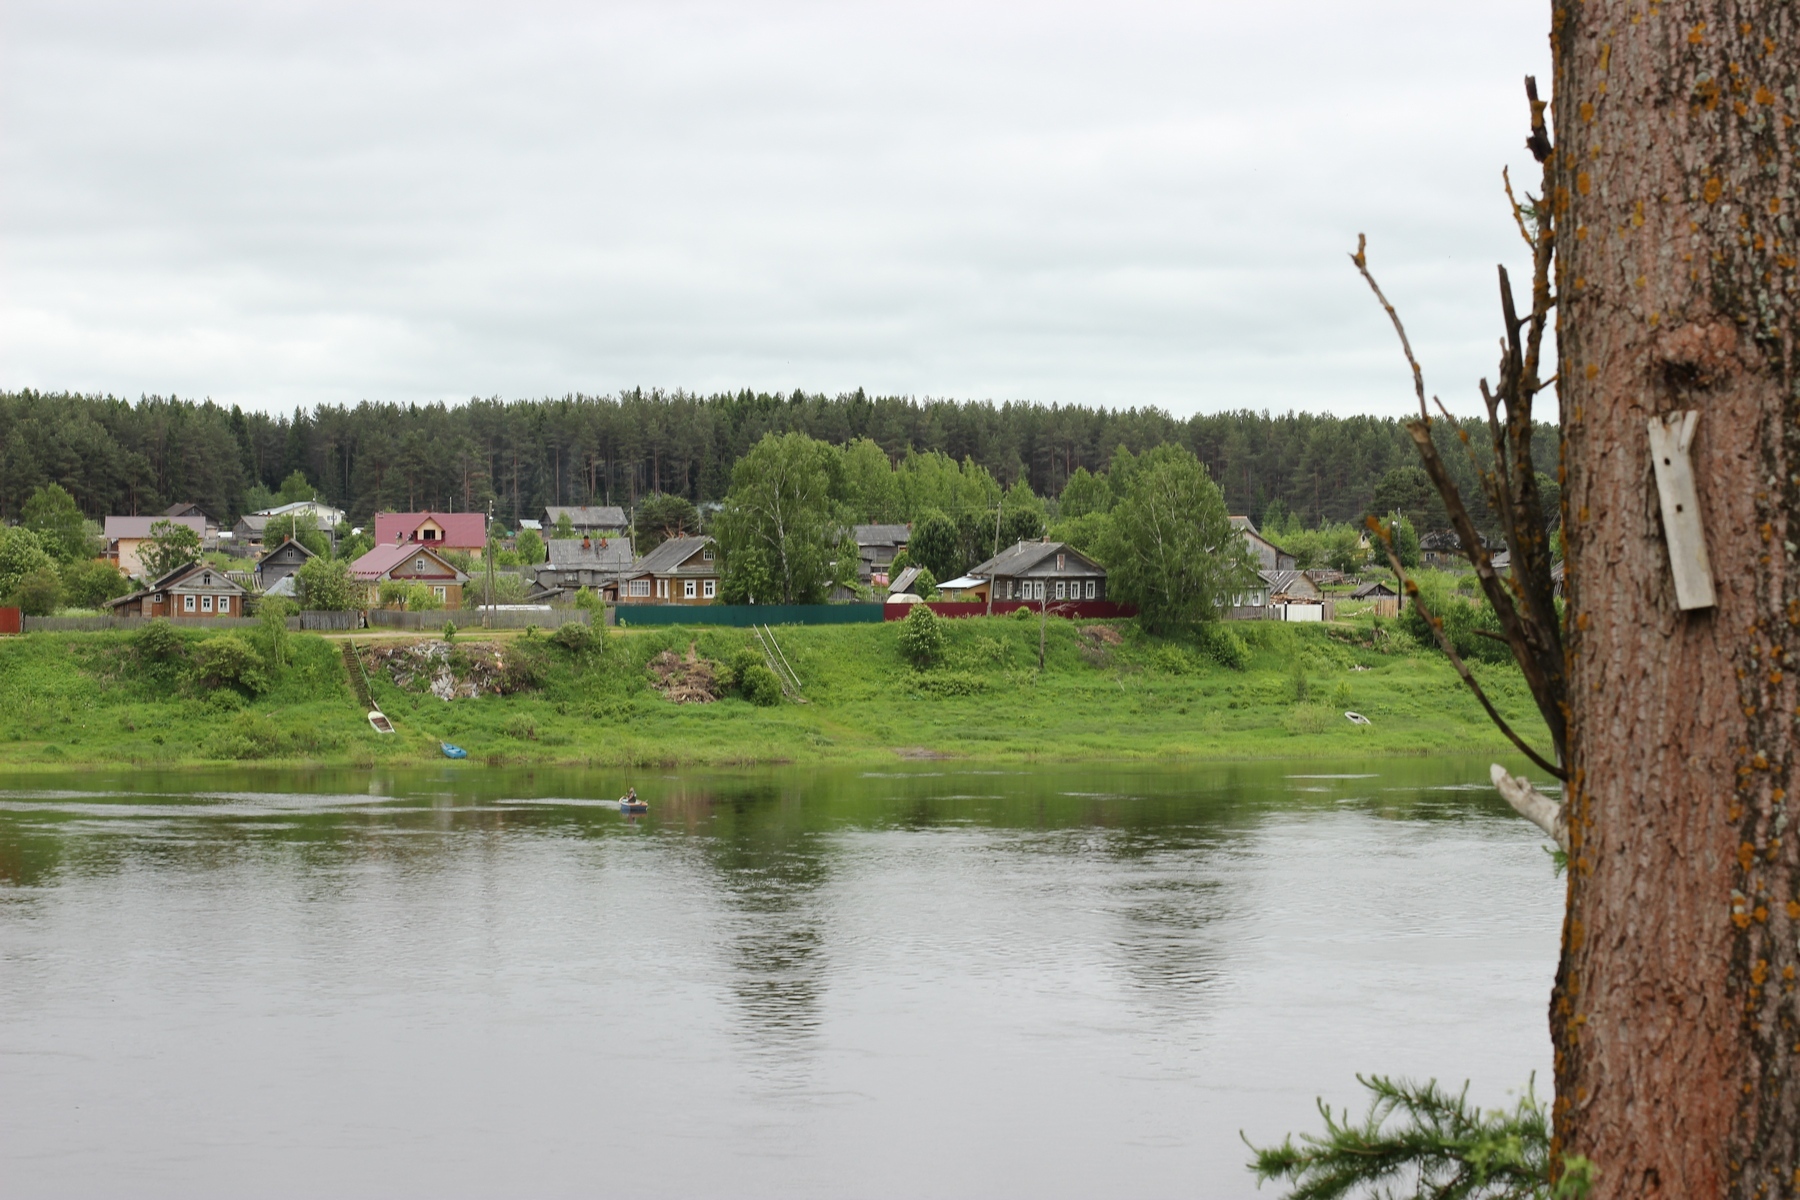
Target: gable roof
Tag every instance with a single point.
(586, 516)
(1244, 523)
(272, 551)
(600, 554)
(176, 577)
(1371, 589)
(1283, 582)
(462, 531)
(904, 580)
(383, 559)
(670, 555)
(185, 509)
(881, 535)
(139, 527)
(1022, 557)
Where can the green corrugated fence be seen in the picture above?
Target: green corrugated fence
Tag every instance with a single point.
(746, 615)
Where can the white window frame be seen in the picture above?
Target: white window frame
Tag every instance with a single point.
(441, 593)
(638, 587)
(689, 589)
(206, 604)
(187, 603)
(710, 588)
(224, 605)
(1090, 589)
(707, 554)
(419, 566)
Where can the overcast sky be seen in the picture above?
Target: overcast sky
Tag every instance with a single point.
(1126, 204)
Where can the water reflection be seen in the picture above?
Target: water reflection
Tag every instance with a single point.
(1056, 979)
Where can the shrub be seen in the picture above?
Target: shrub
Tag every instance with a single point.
(922, 636)
(157, 644)
(450, 631)
(38, 592)
(759, 685)
(925, 584)
(21, 553)
(325, 585)
(1024, 614)
(521, 727)
(89, 584)
(574, 637)
(522, 669)
(586, 598)
(250, 735)
(229, 661)
(1222, 645)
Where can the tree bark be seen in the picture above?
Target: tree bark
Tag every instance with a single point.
(1674, 1015)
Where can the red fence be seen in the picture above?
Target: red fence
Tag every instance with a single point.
(1081, 610)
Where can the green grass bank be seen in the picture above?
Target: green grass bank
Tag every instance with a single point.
(1106, 692)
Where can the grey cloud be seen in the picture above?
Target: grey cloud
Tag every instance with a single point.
(1127, 204)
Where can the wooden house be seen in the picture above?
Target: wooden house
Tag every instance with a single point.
(596, 563)
(876, 546)
(403, 563)
(683, 570)
(1385, 599)
(590, 520)
(1042, 571)
(437, 530)
(125, 537)
(277, 564)
(1268, 556)
(198, 590)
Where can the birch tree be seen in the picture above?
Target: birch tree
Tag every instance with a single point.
(1170, 548)
(784, 540)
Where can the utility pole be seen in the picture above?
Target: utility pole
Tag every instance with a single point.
(487, 616)
(990, 595)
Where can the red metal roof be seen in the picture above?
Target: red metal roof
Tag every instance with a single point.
(462, 531)
(382, 559)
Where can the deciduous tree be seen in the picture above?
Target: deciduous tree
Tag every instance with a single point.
(783, 539)
(1172, 550)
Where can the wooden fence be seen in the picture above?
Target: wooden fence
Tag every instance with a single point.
(468, 622)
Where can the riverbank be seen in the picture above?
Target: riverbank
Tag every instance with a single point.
(1106, 692)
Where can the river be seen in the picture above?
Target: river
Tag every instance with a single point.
(933, 980)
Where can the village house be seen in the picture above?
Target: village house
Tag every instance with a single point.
(438, 530)
(402, 562)
(876, 546)
(189, 509)
(683, 570)
(197, 590)
(1269, 556)
(1041, 571)
(1443, 549)
(594, 520)
(1385, 599)
(596, 563)
(277, 564)
(255, 529)
(125, 537)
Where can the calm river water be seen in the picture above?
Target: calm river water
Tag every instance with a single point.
(932, 981)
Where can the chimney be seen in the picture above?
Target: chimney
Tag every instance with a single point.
(587, 543)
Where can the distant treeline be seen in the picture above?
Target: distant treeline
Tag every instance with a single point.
(115, 456)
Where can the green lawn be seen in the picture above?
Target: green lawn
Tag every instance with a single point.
(89, 697)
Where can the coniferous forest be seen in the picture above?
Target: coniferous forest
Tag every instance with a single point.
(116, 456)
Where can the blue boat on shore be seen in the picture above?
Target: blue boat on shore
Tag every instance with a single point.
(451, 751)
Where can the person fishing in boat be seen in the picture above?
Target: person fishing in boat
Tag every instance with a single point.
(631, 795)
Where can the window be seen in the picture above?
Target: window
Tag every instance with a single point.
(206, 604)
(639, 587)
(707, 554)
(1059, 589)
(1090, 589)
(224, 604)
(419, 566)
(430, 535)
(1062, 561)
(439, 592)
(687, 589)
(711, 588)
(187, 604)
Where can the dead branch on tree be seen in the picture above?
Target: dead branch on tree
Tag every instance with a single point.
(1525, 602)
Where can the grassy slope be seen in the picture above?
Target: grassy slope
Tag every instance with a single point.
(72, 698)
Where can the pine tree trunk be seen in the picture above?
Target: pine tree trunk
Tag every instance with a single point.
(1674, 1018)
